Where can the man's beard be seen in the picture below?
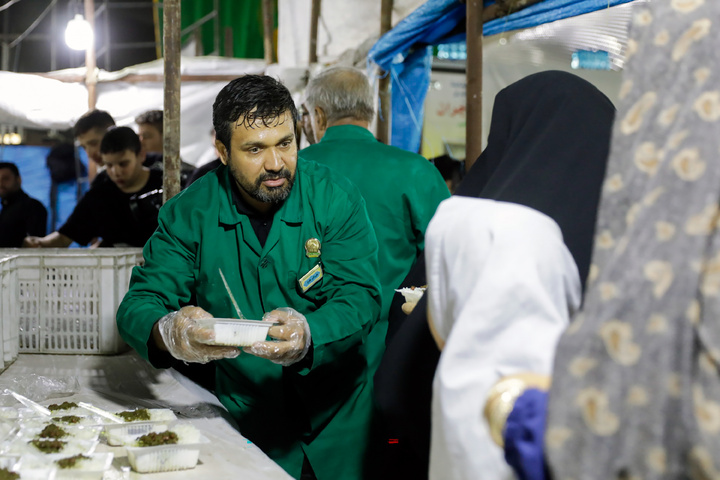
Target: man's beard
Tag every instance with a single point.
(262, 193)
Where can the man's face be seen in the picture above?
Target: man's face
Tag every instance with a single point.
(125, 170)
(90, 141)
(150, 138)
(306, 123)
(263, 159)
(9, 183)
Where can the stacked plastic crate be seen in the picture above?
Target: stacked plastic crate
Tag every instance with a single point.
(63, 301)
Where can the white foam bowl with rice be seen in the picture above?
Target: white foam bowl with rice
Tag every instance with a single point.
(182, 455)
(232, 332)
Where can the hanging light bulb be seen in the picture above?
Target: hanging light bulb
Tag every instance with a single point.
(15, 138)
(78, 34)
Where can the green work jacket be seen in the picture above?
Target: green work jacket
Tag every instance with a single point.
(401, 190)
(321, 406)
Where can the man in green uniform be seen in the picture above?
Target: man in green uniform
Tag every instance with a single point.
(296, 247)
(401, 189)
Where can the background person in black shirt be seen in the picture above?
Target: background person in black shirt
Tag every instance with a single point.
(21, 215)
(150, 131)
(89, 131)
(122, 208)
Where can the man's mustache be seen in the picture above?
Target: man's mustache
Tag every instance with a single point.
(284, 173)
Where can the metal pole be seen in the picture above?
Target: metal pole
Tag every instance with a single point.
(383, 120)
(267, 11)
(171, 85)
(473, 98)
(90, 74)
(314, 19)
(53, 38)
(5, 56)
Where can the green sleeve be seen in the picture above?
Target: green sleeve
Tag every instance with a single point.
(160, 286)
(424, 200)
(349, 258)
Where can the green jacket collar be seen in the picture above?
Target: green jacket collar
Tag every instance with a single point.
(347, 132)
(290, 212)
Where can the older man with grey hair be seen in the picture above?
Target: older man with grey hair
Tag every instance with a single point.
(401, 189)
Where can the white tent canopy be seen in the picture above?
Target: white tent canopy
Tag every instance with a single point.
(57, 100)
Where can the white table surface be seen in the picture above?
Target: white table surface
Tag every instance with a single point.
(127, 381)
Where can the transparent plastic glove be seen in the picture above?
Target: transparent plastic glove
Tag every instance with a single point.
(293, 338)
(186, 340)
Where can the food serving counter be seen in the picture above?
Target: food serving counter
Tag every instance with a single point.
(126, 381)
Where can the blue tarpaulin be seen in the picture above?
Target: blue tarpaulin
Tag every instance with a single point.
(403, 52)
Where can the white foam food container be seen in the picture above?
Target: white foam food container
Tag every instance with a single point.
(40, 473)
(166, 458)
(156, 415)
(80, 432)
(13, 463)
(91, 468)
(18, 413)
(127, 433)
(83, 421)
(73, 446)
(232, 332)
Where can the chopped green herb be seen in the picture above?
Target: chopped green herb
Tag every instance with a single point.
(135, 415)
(6, 474)
(154, 439)
(63, 406)
(52, 431)
(71, 462)
(49, 446)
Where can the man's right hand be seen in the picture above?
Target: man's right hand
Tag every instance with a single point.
(179, 333)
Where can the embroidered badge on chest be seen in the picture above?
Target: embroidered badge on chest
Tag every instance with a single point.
(311, 278)
(312, 248)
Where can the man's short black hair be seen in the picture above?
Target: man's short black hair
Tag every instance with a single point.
(119, 139)
(252, 97)
(93, 119)
(10, 166)
(151, 117)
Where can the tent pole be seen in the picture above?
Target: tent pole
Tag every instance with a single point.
(171, 87)
(90, 74)
(267, 13)
(383, 118)
(90, 60)
(473, 98)
(314, 19)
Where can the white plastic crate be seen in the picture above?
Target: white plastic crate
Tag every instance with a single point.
(64, 301)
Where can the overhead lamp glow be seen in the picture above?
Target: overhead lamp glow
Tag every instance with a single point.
(78, 34)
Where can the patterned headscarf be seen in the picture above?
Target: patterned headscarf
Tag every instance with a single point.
(636, 384)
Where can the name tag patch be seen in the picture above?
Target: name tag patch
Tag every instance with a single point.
(311, 278)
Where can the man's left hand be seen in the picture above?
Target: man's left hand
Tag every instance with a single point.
(292, 335)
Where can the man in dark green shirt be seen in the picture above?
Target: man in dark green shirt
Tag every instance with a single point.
(296, 247)
(401, 189)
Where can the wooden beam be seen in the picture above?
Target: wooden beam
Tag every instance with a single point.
(384, 112)
(90, 72)
(314, 19)
(268, 15)
(171, 85)
(229, 42)
(473, 98)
